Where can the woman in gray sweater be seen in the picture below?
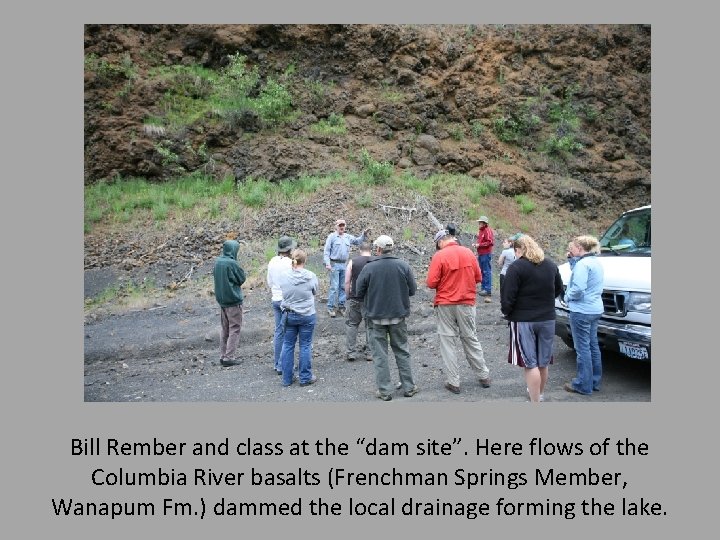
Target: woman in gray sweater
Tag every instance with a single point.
(299, 287)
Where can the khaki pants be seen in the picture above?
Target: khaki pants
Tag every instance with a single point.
(459, 321)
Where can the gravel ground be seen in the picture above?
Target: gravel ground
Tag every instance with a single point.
(169, 353)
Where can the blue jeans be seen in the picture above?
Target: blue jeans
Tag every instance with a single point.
(589, 364)
(297, 328)
(485, 261)
(336, 294)
(277, 336)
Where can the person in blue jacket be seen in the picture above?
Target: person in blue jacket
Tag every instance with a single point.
(584, 299)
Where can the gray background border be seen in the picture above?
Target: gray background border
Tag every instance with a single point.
(43, 394)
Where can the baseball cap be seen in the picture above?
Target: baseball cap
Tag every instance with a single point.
(442, 233)
(383, 241)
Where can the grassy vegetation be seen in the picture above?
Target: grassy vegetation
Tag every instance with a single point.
(373, 171)
(143, 204)
(332, 125)
(544, 123)
(125, 200)
(195, 92)
(527, 205)
(129, 295)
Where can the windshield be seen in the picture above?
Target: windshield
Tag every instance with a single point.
(629, 235)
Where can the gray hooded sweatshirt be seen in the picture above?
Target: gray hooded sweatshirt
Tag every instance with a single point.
(299, 288)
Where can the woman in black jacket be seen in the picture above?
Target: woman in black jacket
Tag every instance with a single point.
(530, 287)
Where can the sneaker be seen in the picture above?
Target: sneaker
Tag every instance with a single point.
(485, 383)
(488, 299)
(410, 393)
(341, 310)
(527, 391)
(227, 362)
(332, 312)
(485, 293)
(350, 358)
(569, 388)
(368, 358)
(382, 396)
(312, 380)
(454, 389)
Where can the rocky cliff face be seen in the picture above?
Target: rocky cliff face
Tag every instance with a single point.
(561, 112)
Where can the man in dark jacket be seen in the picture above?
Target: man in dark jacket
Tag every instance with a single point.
(354, 303)
(229, 277)
(386, 284)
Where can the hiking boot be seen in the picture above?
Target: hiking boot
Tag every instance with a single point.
(454, 389)
(227, 362)
(312, 380)
(332, 312)
(485, 383)
(382, 396)
(410, 393)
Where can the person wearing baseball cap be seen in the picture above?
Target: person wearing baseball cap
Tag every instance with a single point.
(484, 245)
(335, 257)
(454, 274)
(386, 284)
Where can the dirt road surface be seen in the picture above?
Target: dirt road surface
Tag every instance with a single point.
(169, 353)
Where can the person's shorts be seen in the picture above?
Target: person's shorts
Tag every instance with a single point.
(531, 344)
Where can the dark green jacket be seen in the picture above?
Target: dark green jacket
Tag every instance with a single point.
(228, 275)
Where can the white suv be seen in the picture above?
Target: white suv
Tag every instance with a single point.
(625, 325)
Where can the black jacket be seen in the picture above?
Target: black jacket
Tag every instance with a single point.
(529, 291)
(386, 285)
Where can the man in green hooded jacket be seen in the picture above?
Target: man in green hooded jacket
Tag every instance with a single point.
(229, 277)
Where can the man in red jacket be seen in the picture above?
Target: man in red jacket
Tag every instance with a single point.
(484, 245)
(454, 274)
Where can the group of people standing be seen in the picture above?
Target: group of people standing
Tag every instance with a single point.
(376, 286)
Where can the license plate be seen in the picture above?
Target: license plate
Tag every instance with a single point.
(633, 350)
